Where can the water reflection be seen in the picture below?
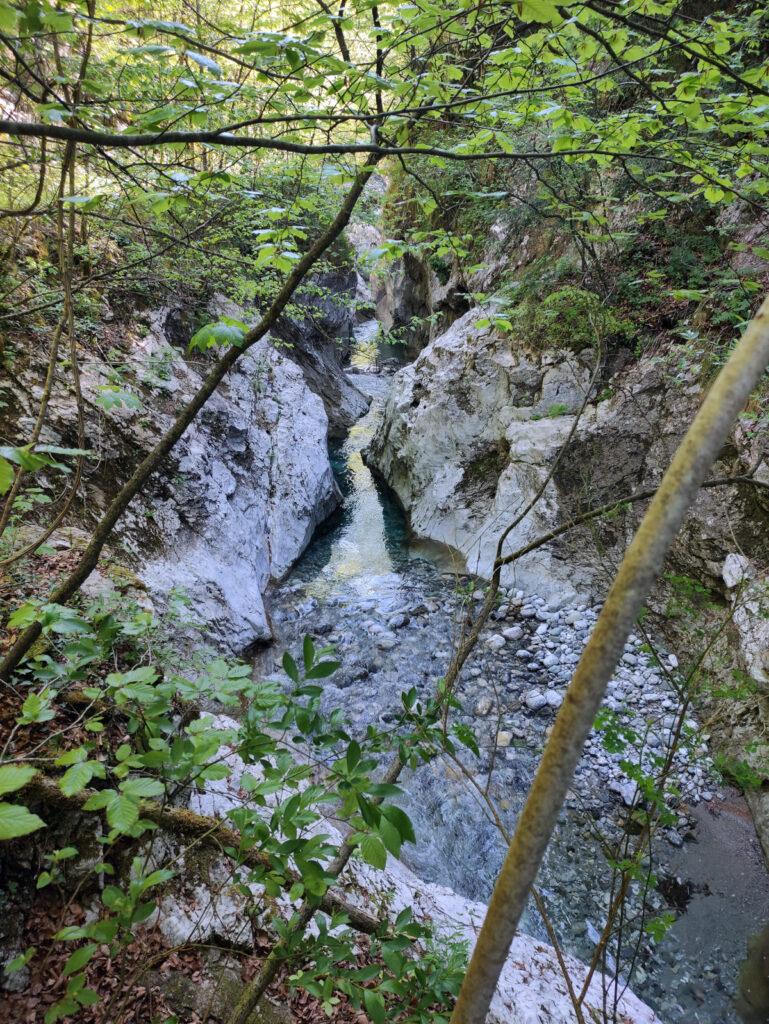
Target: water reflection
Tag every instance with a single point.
(367, 538)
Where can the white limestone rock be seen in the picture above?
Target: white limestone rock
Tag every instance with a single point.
(749, 594)
(246, 486)
(463, 448)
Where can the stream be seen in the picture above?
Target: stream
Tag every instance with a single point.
(392, 608)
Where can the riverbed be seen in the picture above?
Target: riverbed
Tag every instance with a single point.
(393, 607)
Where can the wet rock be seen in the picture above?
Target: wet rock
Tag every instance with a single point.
(398, 621)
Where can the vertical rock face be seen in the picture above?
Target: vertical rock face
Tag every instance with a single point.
(250, 482)
(466, 442)
(472, 432)
(318, 336)
(749, 597)
(238, 499)
(414, 303)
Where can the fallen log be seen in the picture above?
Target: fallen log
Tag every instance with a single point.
(207, 830)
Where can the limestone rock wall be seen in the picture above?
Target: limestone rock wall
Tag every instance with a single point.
(240, 495)
(473, 429)
(250, 482)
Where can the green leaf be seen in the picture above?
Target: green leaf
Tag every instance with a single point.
(401, 821)
(375, 1005)
(142, 912)
(36, 708)
(74, 756)
(322, 669)
(15, 965)
(538, 10)
(221, 334)
(122, 813)
(8, 18)
(14, 776)
(70, 933)
(79, 959)
(64, 1008)
(76, 778)
(138, 788)
(100, 800)
(373, 851)
(390, 836)
(82, 203)
(204, 62)
(289, 667)
(23, 616)
(308, 652)
(466, 736)
(16, 821)
(24, 456)
(6, 471)
(353, 755)
(87, 997)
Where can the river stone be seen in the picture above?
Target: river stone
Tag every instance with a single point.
(627, 790)
(535, 700)
(512, 633)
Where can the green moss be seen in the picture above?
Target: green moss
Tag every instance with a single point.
(570, 318)
(121, 576)
(559, 409)
(481, 475)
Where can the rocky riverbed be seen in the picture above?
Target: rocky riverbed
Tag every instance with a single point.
(393, 610)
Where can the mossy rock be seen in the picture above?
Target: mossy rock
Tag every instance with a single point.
(215, 992)
(124, 577)
(572, 319)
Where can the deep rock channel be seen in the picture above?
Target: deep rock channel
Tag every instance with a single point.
(392, 607)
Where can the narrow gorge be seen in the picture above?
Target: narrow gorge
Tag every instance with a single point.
(345, 358)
